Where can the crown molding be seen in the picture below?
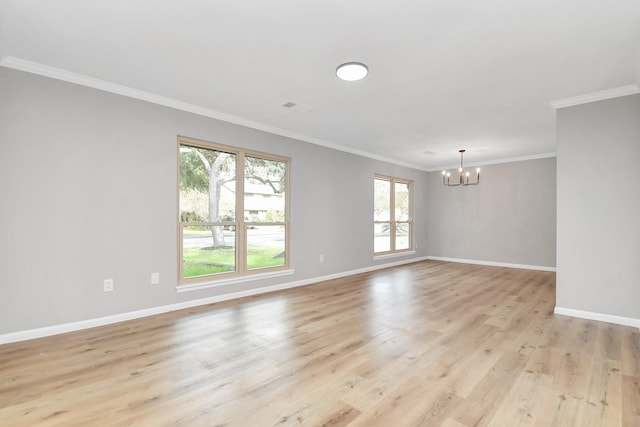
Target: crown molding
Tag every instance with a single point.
(497, 161)
(106, 86)
(595, 96)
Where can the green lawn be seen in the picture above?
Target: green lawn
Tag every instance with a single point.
(198, 262)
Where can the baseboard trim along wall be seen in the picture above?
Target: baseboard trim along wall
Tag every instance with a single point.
(493, 264)
(122, 317)
(609, 318)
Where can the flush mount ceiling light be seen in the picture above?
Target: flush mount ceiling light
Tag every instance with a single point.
(352, 71)
(464, 176)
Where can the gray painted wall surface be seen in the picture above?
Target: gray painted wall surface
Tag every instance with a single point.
(599, 207)
(88, 183)
(509, 218)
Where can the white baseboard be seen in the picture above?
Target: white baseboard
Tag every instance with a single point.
(493, 264)
(601, 317)
(116, 318)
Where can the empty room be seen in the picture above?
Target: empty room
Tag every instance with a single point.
(325, 213)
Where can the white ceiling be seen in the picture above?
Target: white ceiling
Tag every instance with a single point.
(444, 74)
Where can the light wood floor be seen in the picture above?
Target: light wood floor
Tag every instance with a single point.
(428, 344)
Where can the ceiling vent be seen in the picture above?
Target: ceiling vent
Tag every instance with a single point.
(296, 107)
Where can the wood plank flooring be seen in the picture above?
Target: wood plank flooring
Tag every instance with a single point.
(425, 344)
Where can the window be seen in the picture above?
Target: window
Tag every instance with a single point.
(392, 215)
(233, 211)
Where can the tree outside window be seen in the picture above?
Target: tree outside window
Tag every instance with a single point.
(233, 211)
(392, 215)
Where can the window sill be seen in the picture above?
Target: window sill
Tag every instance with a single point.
(237, 279)
(394, 255)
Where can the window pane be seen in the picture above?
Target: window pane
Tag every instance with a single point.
(382, 200)
(207, 185)
(201, 255)
(392, 214)
(402, 202)
(265, 246)
(403, 231)
(382, 237)
(210, 202)
(264, 190)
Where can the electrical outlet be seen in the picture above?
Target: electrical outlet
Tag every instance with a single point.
(321, 258)
(108, 285)
(155, 278)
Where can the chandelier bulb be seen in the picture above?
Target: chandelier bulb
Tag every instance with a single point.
(464, 176)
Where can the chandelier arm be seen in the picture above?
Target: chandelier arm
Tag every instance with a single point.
(462, 182)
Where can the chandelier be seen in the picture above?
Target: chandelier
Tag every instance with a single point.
(464, 176)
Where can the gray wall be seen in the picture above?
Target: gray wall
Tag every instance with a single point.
(509, 218)
(88, 186)
(599, 207)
